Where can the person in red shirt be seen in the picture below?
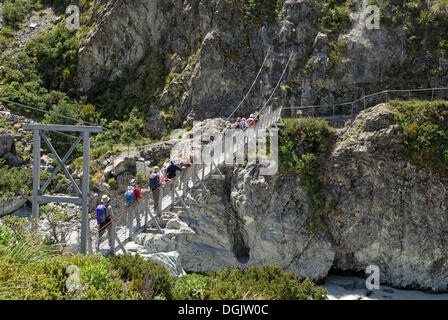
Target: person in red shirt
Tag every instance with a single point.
(133, 186)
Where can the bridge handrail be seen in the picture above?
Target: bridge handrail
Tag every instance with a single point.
(387, 94)
(269, 118)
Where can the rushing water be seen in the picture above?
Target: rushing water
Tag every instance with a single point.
(353, 288)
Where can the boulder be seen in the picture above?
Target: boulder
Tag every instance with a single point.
(12, 160)
(9, 206)
(124, 163)
(171, 260)
(6, 144)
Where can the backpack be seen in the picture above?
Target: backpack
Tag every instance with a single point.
(130, 195)
(101, 213)
(154, 181)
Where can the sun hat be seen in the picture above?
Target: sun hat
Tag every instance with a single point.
(105, 198)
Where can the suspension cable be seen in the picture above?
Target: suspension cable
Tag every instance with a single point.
(253, 84)
(279, 81)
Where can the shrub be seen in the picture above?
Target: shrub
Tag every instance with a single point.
(141, 178)
(259, 11)
(17, 225)
(12, 180)
(268, 282)
(6, 234)
(48, 279)
(16, 10)
(303, 148)
(150, 279)
(190, 287)
(113, 183)
(55, 217)
(425, 128)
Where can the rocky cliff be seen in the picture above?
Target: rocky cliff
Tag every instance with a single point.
(379, 210)
(212, 50)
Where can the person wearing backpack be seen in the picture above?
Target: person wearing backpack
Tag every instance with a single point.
(171, 171)
(155, 183)
(132, 194)
(104, 214)
(162, 179)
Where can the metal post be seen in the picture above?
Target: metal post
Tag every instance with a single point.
(130, 221)
(172, 186)
(146, 207)
(185, 181)
(36, 174)
(85, 191)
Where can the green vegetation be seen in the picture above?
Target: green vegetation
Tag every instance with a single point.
(303, 147)
(14, 180)
(32, 269)
(42, 75)
(259, 11)
(15, 11)
(151, 280)
(335, 20)
(425, 127)
(426, 25)
(267, 282)
(134, 91)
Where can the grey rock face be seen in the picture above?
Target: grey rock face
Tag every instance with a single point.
(244, 221)
(231, 52)
(8, 150)
(384, 211)
(9, 206)
(12, 160)
(6, 143)
(379, 210)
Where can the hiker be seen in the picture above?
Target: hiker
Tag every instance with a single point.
(187, 163)
(171, 174)
(132, 195)
(238, 123)
(243, 124)
(162, 179)
(258, 114)
(171, 170)
(155, 184)
(250, 121)
(104, 214)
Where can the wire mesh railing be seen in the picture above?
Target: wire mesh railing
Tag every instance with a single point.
(349, 109)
